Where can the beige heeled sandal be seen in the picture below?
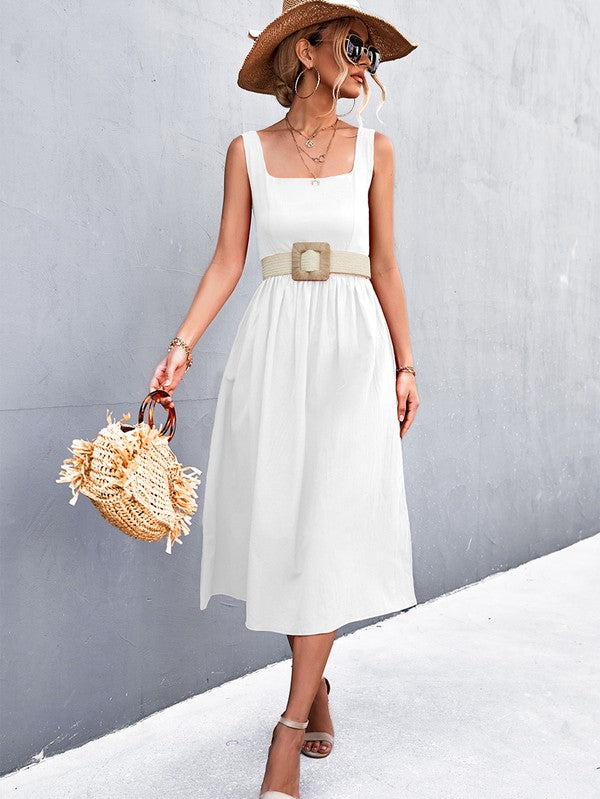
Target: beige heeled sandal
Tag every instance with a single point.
(297, 725)
(319, 736)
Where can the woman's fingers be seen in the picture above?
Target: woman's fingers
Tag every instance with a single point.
(166, 402)
(402, 390)
(401, 407)
(168, 374)
(170, 370)
(408, 402)
(408, 419)
(158, 376)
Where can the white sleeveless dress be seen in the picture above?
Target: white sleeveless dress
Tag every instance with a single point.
(305, 515)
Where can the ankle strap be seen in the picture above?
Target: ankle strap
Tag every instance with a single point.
(297, 725)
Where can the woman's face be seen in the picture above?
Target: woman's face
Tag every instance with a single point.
(324, 60)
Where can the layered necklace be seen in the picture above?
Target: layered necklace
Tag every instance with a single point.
(309, 142)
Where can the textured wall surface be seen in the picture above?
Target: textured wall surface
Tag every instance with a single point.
(116, 118)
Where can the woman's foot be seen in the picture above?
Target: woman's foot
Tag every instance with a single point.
(319, 719)
(282, 772)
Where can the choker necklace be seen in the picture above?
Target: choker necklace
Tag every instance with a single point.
(320, 158)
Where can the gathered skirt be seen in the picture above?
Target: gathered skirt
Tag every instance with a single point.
(305, 515)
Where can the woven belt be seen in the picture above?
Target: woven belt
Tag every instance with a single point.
(315, 260)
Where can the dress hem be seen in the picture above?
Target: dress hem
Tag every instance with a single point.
(266, 627)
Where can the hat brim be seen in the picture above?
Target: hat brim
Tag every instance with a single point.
(256, 74)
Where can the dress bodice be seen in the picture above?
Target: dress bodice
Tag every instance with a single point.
(294, 209)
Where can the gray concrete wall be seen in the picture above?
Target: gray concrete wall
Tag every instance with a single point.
(115, 122)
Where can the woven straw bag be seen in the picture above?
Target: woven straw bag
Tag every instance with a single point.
(133, 478)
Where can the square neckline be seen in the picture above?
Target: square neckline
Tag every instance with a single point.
(327, 177)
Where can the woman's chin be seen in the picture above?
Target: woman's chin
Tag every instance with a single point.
(351, 88)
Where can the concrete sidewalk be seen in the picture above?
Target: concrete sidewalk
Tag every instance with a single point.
(490, 691)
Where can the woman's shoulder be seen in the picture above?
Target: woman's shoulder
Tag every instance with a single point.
(383, 152)
(236, 153)
(381, 141)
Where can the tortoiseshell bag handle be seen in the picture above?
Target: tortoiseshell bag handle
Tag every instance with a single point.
(149, 402)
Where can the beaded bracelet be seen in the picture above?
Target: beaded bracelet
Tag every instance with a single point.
(182, 343)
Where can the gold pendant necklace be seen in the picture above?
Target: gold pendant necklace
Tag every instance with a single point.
(320, 158)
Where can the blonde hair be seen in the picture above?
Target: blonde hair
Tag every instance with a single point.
(287, 66)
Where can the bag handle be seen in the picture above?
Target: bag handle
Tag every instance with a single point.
(149, 402)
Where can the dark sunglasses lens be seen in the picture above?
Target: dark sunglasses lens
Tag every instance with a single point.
(375, 58)
(354, 46)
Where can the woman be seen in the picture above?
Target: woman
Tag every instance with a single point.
(305, 513)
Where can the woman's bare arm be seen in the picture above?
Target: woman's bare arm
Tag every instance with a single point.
(227, 263)
(385, 275)
(224, 270)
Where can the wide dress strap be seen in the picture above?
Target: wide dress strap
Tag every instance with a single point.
(254, 165)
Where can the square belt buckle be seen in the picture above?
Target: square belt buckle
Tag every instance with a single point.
(311, 260)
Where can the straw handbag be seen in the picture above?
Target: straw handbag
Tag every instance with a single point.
(133, 478)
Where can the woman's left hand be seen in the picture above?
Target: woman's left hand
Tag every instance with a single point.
(408, 400)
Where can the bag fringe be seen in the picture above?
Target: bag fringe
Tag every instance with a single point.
(183, 496)
(75, 470)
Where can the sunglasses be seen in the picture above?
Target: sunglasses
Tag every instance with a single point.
(355, 47)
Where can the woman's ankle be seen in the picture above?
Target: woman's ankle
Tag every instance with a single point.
(299, 715)
(288, 734)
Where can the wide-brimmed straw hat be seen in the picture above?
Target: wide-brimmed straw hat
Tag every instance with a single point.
(256, 74)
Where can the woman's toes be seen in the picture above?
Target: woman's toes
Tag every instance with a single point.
(317, 746)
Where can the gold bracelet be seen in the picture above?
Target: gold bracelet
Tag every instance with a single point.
(405, 369)
(179, 341)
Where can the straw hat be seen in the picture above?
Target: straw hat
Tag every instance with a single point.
(256, 74)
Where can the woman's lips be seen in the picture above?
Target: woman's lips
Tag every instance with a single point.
(358, 78)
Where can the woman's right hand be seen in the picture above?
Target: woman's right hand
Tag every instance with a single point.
(168, 374)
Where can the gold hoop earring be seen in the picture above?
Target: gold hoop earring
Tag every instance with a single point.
(304, 97)
(350, 111)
